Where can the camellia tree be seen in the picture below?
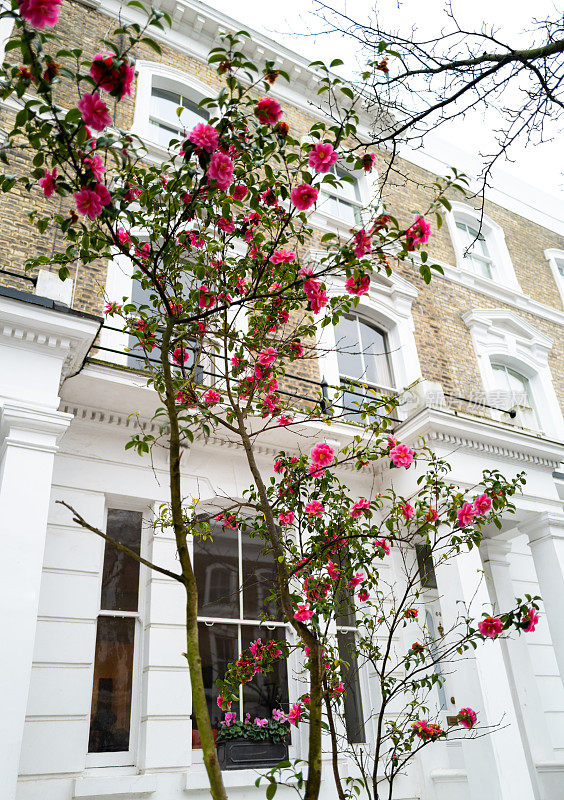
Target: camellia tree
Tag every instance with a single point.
(218, 238)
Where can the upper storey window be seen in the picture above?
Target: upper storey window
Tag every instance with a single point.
(166, 105)
(476, 251)
(480, 247)
(556, 261)
(345, 202)
(164, 120)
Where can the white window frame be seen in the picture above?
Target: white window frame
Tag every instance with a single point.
(215, 505)
(130, 757)
(503, 271)
(500, 336)
(387, 306)
(179, 81)
(553, 256)
(368, 188)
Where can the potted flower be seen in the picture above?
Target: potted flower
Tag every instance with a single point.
(243, 744)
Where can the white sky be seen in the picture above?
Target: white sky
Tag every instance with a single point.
(542, 165)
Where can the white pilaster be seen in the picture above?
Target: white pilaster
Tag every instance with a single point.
(546, 540)
(495, 764)
(29, 442)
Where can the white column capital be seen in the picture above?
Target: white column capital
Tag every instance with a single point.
(495, 551)
(546, 525)
(31, 428)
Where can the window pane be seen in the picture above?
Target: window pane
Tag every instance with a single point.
(374, 346)
(120, 575)
(259, 578)
(354, 721)
(349, 191)
(216, 563)
(110, 718)
(268, 690)
(348, 348)
(426, 567)
(344, 604)
(218, 647)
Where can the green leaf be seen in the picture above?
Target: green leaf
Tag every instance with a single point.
(152, 44)
(271, 790)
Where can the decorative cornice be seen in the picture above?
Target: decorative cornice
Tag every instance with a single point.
(546, 525)
(462, 432)
(104, 416)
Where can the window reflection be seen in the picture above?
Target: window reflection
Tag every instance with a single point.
(216, 564)
(110, 717)
(218, 647)
(267, 690)
(120, 574)
(354, 718)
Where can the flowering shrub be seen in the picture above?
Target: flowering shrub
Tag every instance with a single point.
(228, 237)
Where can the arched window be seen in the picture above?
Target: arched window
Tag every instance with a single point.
(362, 355)
(514, 390)
(480, 248)
(161, 92)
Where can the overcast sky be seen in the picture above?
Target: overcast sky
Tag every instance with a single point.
(290, 21)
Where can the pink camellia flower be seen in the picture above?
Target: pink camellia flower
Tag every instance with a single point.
(303, 613)
(143, 252)
(482, 505)
(431, 515)
(180, 355)
(94, 111)
(204, 136)
(295, 714)
(112, 308)
(408, 511)
(40, 13)
(382, 543)
(402, 455)
(89, 202)
(465, 515)
(47, 182)
(322, 455)
(411, 613)
(282, 256)
(279, 466)
(363, 595)
(268, 111)
(304, 196)
(211, 397)
(116, 79)
(358, 286)
(284, 420)
(95, 165)
(363, 243)
(358, 578)
(223, 703)
(226, 225)
(261, 722)
(333, 572)
(490, 626)
(467, 717)
(322, 156)
(315, 294)
(418, 234)
(368, 160)
(240, 191)
(420, 728)
(267, 356)
(220, 170)
(286, 517)
(314, 508)
(315, 470)
(207, 297)
(531, 619)
(359, 508)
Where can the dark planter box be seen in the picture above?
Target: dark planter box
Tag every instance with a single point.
(244, 754)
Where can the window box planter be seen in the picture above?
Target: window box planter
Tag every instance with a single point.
(246, 754)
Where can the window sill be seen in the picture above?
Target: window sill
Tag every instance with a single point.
(511, 295)
(197, 779)
(126, 786)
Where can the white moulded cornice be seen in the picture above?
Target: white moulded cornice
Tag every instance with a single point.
(456, 430)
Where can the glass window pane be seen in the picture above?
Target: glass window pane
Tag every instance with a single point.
(346, 212)
(267, 690)
(259, 579)
(375, 346)
(218, 648)
(344, 604)
(110, 718)
(120, 575)
(354, 719)
(348, 190)
(426, 568)
(216, 563)
(348, 348)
